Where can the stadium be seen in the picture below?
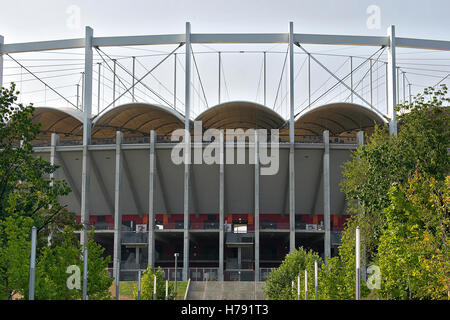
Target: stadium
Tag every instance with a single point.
(220, 234)
(217, 221)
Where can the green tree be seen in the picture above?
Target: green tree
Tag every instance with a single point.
(51, 273)
(413, 252)
(147, 283)
(278, 286)
(14, 256)
(418, 155)
(28, 197)
(421, 146)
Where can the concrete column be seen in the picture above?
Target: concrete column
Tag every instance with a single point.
(392, 82)
(187, 151)
(360, 138)
(256, 220)
(87, 110)
(117, 204)
(291, 141)
(221, 204)
(53, 155)
(54, 141)
(151, 202)
(326, 193)
(85, 177)
(360, 142)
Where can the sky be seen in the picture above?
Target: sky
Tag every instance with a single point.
(26, 20)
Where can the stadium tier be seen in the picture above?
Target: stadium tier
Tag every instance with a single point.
(238, 223)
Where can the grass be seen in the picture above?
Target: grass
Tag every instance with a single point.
(126, 289)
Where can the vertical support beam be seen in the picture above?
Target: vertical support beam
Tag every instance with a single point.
(357, 264)
(139, 285)
(187, 151)
(85, 271)
(117, 206)
(326, 194)
(151, 203)
(2, 42)
(316, 280)
(291, 141)
(360, 138)
(404, 86)
(220, 73)
(306, 284)
(360, 142)
(54, 141)
(256, 213)
(32, 263)
(392, 81)
(87, 110)
(221, 203)
(409, 89)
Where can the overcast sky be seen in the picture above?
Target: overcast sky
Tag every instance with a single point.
(27, 20)
(38, 20)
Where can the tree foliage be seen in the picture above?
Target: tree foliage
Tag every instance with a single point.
(29, 197)
(398, 189)
(279, 283)
(388, 179)
(413, 252)
(147, 284)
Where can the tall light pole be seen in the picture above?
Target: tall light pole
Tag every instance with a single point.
(176, 257)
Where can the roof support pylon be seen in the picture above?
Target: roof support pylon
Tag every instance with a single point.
(391, 79)
(291, 141)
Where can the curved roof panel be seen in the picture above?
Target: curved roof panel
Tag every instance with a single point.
(63, 121)
(240, 114)
(339, 118)
(137, 119)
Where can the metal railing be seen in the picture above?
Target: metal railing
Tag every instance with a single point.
(309, 226)
(204, 274)
(240, 238)
(167, 139)
(239, 275)
(103, 225)
(129, 237)
(206, 225)
(264, 273)
(169, 273)
(169, 225)
(274, 225)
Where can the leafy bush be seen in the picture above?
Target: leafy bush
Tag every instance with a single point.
(147, 281)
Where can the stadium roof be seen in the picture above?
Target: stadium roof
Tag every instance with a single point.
(240, 114)
(137, 119)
